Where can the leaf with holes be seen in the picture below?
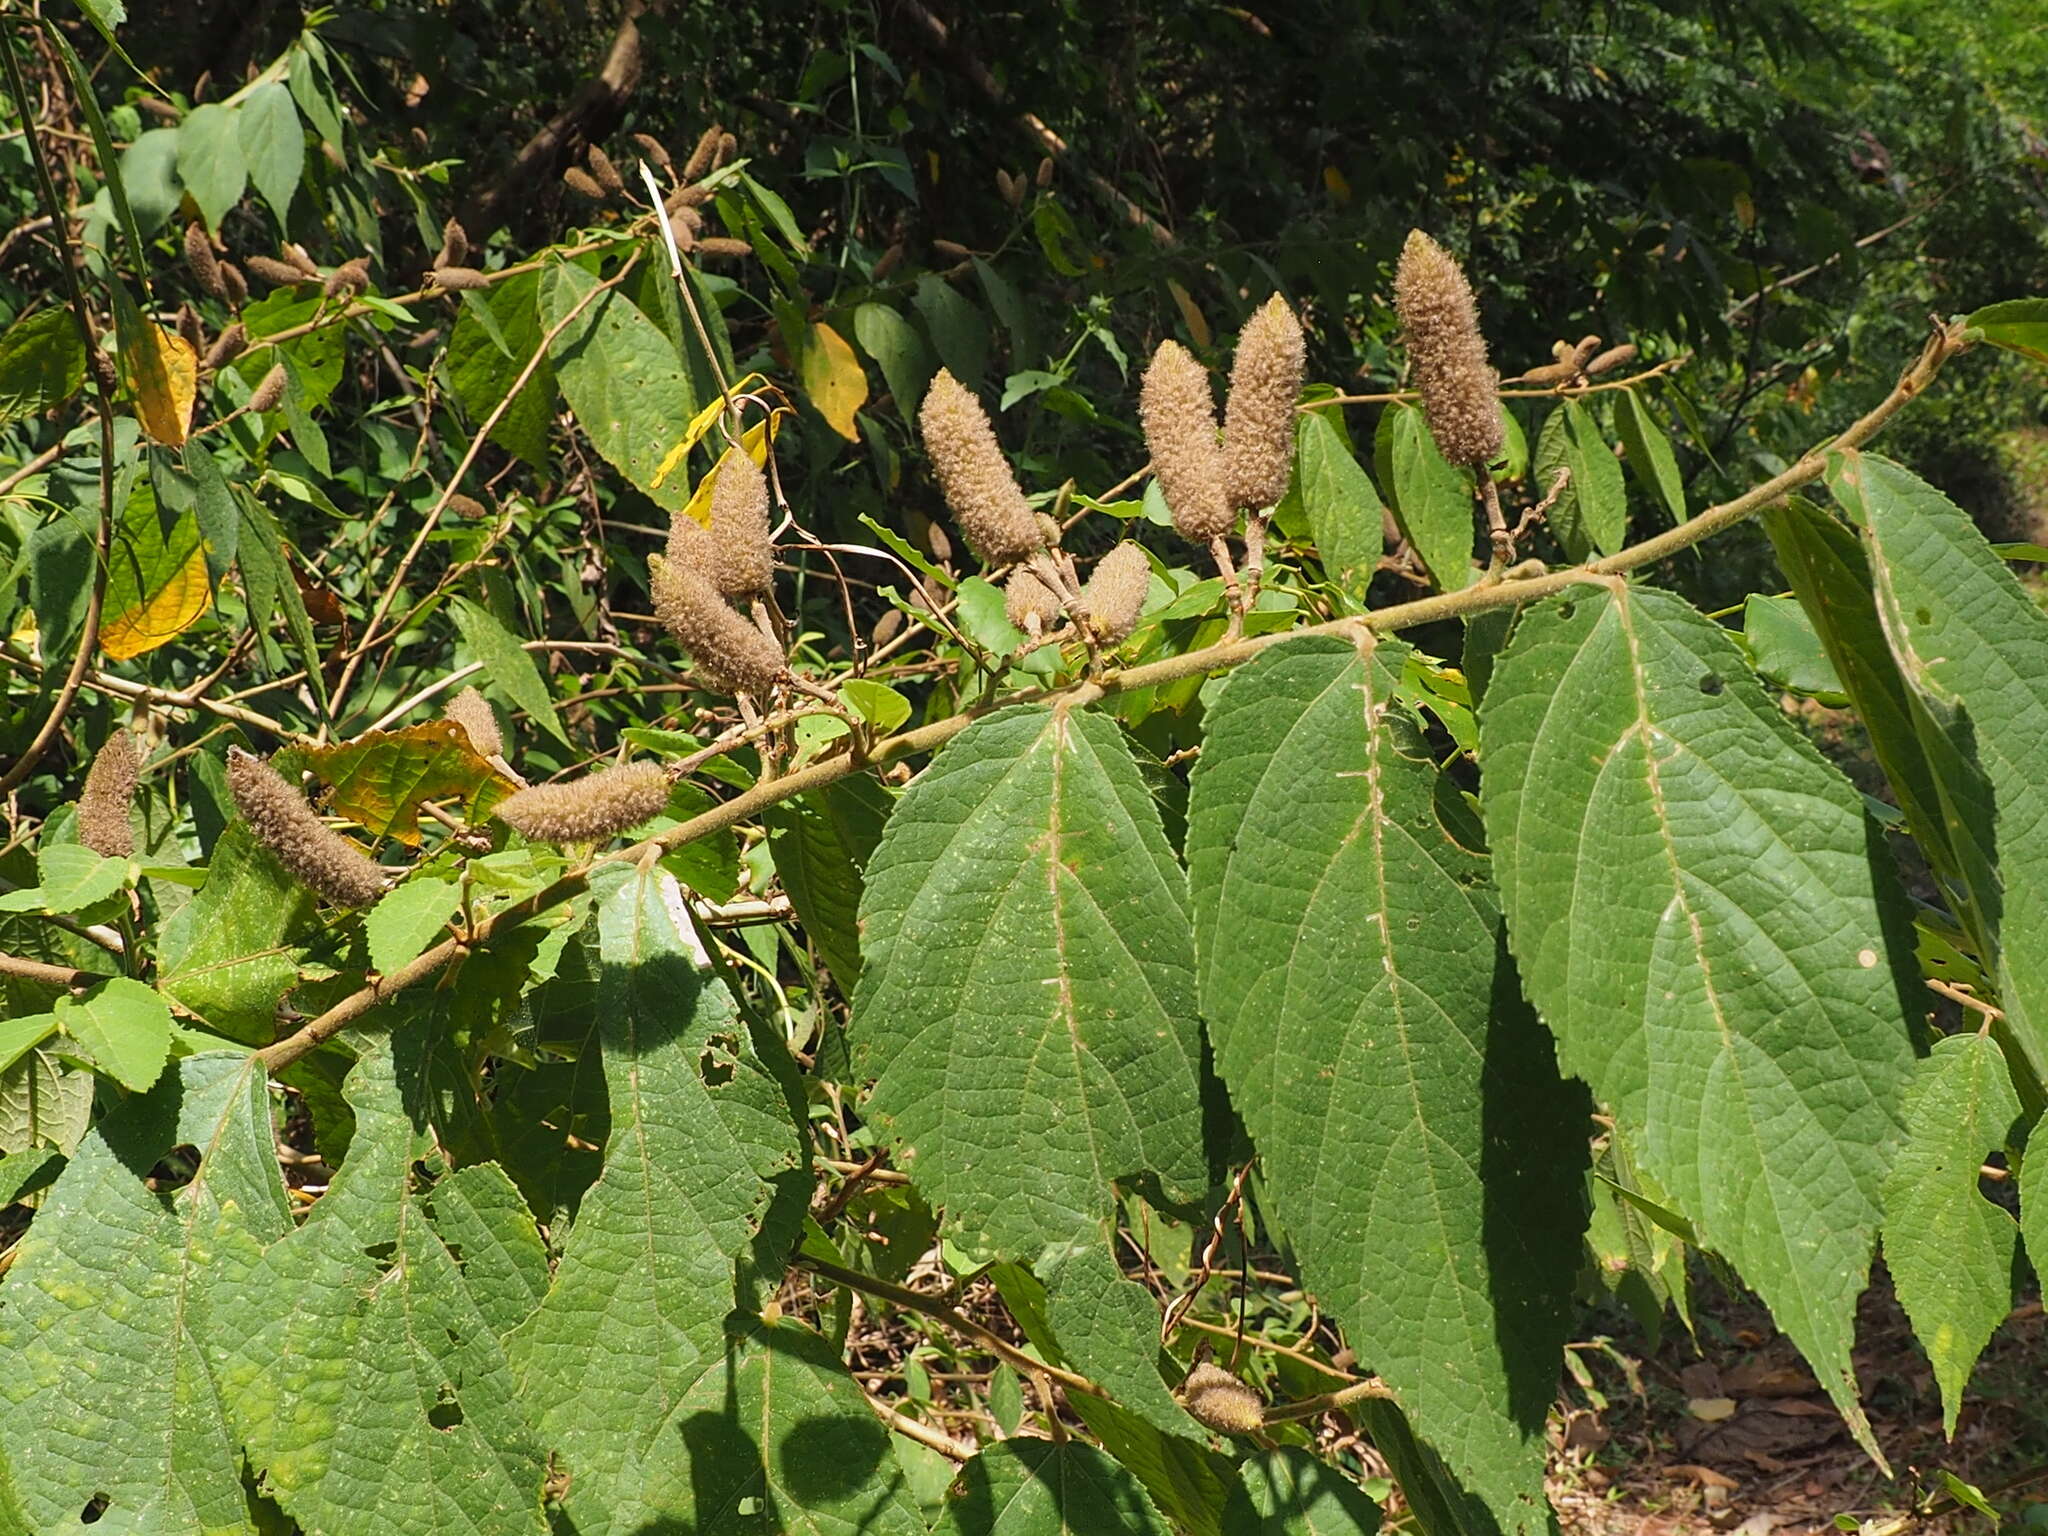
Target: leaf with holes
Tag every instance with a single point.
(380, 1399)
(1027, 982)
(1359, 997)
(702, 1162)
(381, 778)
(1949, 1249)
(116, 1298)
(1709, 923)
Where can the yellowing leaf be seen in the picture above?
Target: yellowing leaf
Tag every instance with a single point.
(156, 581)
(380, 778)
(161, 616)
(755, 440)
(1197, 323)
(163, 370)
(701, 423)
(832, 376)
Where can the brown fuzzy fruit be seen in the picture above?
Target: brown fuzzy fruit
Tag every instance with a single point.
(653, 149)
(591, 809)
(280, 819)
(606, 173)
(1029, 603)
(352, 276)
(723, 245)
(269, 391)
(1179, 417)
(103, 824)
(454, 245)
(1613, 357)
(1218, 1400)
(1440, 324)
(227, 346)
(739, 556)
(1258, 417)
(582, 183)
(472, 712)
(1115, 594)
(199, 257)
(731, 655)
(453, 277)
(703, 152)
(973, 475)
(282, 274)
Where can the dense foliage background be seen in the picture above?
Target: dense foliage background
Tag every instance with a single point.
(1768, 201)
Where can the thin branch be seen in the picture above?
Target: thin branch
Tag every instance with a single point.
(1486, 596)
(1314, 1407)
(50, 975)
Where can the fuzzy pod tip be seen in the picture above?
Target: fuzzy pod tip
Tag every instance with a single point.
(470, 710)
(1219, 1401)
(279, 818)
(1440, 325)
(1258, 415)
(1114, 596)
(731, 655)
(103, 824)
(1179, 416)
(973, 475)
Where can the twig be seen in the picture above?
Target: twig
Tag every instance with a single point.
(34, 466)
(1313, 1407)
(49, 975)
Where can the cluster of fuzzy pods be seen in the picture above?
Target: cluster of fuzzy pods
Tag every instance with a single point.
(598, 180)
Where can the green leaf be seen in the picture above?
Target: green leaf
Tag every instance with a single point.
(2034, 1203)
(1344, 514)
(273, 145)
(486, 1224)
(622, 378)
(508, 667)
(1590, 516)
(43, 1102)
(25, 1173)
(124, 1026)
(42, 363)
(74, 877)
(1027, 980)
(2018, 325)
(1785, 646)
(224, 954)
(1108, 1329)
(1432, 500)
(958, 332)
(156, 580)
(822, 842)
(1037, 1488)
(482, 373)
(405, 921)
(1949, 1249)
(149, 167)
(1446, 1234)
(22, 1034)
(379, 779)
(702, 1157)
(210, 160)
(893, 342)
(213, 505)
(771, 1438)
(1712, 928)
(1293, 1493)
(116, 1300)
(877, 703)
(381, 1387)
(105, 15)
(1649, 453)
(1972, 646)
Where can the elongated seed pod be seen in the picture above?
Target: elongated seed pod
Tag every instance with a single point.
(582, 183)
(269, 391)
(227, 346)
(1029, 603)
(237, 286)
(1115, 593)
(974, 477)
(1440, 324)
(723, 245)
(1550, 374)
(683, 224)
(280, 273)
(741, 559)
(467, 507)
(1044, 176)
(280, 819)
(459, 277)
(702, 152)
(189, 329)
(454, 245)
(200, 259)
(728, 146)
(889, 261)
(1613, 357)
(103, 824)
(591, 809)
(469, 710)
(1179, 416)
(352, 276)
(687, 197)
(1583, 353)
(296, 255)
(1009, 188)
(1258, 417)
(731, 655)
(1218, 1400)
(653, 149)
(952, 250)
(606, 173)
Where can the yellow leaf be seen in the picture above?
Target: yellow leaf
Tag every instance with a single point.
(832, 376)
(1198, 326)
(701, 423)
(755, 440)
(163, 370)
(162, 615)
